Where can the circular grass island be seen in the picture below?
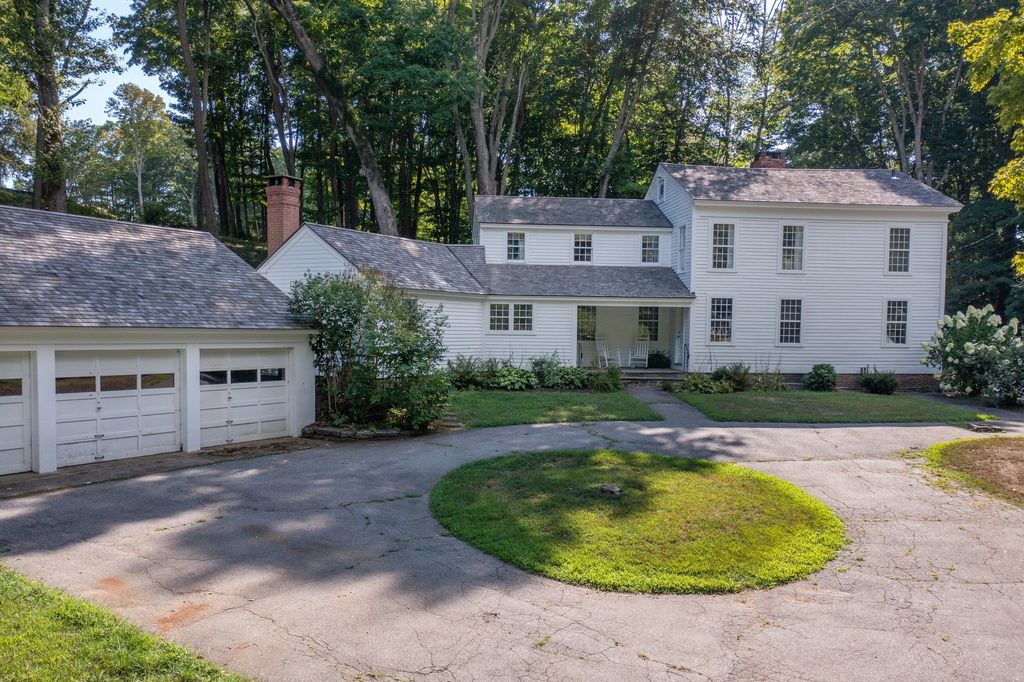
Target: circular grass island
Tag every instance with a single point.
(665, 524)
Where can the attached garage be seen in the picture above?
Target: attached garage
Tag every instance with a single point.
(122, 340)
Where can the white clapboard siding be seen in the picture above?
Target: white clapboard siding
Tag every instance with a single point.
(463, 333)
(554, 331)
(553, 245)
(305, 252)
(844, 287)
(678, 208)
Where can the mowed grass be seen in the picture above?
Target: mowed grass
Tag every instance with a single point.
(994, 465)
(679, 525)
(47, 635)
(503, 408)
(844, 407)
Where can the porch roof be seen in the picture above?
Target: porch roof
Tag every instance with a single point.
(585, 281)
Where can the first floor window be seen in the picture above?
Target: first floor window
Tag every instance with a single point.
(522, 317)
(586, 322)
(516, 246)
(723, 246)
(499, 317)
(896, 318)
(899, 249)
(720, 320)
(648, 321)
(793, 247)
(649, 248)
(583, 248)
(790, 320)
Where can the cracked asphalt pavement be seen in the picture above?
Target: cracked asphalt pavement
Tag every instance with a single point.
(326, 564)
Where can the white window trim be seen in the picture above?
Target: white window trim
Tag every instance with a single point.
(732, 324)
(886, 343)
(511, 313)
(803, 249)
(910, 253)
(525, 240)
(778, 320)
(657, 248)
(582, 262)
(711, 244)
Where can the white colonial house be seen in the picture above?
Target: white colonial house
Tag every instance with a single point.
(770, 266)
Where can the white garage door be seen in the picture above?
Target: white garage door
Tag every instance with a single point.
(117, 404)
(15, 453)
(243, 395)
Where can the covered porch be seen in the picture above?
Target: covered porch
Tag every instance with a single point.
(617, 334)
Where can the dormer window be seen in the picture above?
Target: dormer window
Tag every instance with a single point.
(516, 246)
(582, 248)
(649, 248)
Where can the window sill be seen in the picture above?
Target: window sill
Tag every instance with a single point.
(896, 274)
(721, 270)
(791, 272)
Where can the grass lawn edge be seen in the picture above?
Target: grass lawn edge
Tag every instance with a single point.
(949, 479)
(491, 408)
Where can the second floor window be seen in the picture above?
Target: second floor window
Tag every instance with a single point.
(896, 319)
(649, 248)
(516, 246)
(720, 321)
(899, 249)
(723, 246)
(793, 247)
(648, 321)
(791, 312)
(583, 248)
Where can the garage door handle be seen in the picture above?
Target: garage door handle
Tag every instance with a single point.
(230, 421)
(99, 435)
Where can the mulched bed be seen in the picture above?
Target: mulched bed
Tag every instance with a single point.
(997, 462)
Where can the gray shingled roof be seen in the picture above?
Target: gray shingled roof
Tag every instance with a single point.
(590, 281)
(60, 270)
(861, 187)
(410, 263)
(569, 211)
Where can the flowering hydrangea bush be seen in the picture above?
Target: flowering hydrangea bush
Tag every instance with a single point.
(978, 355)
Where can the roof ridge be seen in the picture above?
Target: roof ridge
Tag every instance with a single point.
(190, 231)
(549, 196)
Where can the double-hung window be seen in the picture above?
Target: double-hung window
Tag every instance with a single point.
(896, 318)
(516, 246)
(899, 249)
(720, 321)
(586, 322)
(499, 317)
(649, 247)
(582, 248)
(792, 248)
(522, 317)
(723, 246)
(791, 311)
(647, 319)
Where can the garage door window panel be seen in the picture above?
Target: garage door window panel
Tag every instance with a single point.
(154, 381)
(10, 388)
(243, 376)
(273, 374)
(215, 377)
(66, 385)
(119, 382)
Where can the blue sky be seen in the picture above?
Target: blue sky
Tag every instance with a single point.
(96, 95)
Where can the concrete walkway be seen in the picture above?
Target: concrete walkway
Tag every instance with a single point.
(326, 564)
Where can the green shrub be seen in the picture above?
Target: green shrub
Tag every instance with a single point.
(547, 370)
(464, 372)
(573, 377)
(769, 380)
(607, 380)
(378, 355)
(737, 374)
(658, 360)
(510, 378)
(882, 383)
(668, 386)
(699, 382)
(822, 377)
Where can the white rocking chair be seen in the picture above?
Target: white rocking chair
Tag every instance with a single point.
(641, 349)
(604, 357)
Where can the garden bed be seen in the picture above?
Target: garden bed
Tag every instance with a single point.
(669, 524)
(995, 465)
(811, 407)
(504, 408)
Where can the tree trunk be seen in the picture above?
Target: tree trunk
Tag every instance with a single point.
(204, 210)
(337, 99)
(278, 94)
(138, 187)
(49, 177)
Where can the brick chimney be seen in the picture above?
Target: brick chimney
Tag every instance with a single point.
(768, 159)
(284, 210)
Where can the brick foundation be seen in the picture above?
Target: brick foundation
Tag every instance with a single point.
(909, 383)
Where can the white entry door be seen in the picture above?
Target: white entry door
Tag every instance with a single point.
(15, 450)
(243, 395)
(117, 404)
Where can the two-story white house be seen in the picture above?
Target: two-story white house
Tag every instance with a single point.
(773, 267)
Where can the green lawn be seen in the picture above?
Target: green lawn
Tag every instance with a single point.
(826, 408)
(502, 408)
(48, 635)
(679, 525)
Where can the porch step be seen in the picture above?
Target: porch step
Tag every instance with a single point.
(650, 377)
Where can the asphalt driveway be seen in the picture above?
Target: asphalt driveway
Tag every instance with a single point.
(327, 564)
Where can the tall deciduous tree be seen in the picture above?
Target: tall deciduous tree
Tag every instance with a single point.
(140, 118)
